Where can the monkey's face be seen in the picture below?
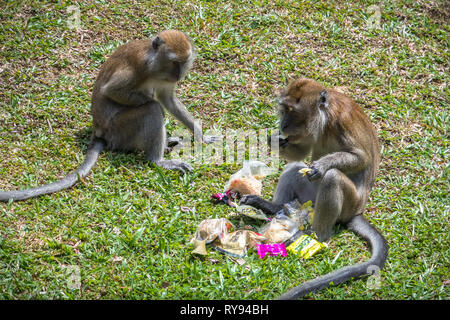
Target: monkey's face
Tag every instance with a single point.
(173, 55)
(169, 68)
(293, 119)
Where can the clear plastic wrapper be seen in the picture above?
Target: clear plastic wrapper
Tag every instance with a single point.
(286, 223)
(210, 229)
(252, 212)
(247, 179)
(238, 242)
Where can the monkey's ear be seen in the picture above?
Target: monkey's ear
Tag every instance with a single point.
(156, 42)
(323, 100)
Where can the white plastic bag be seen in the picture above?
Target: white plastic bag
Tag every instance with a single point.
(247, 180)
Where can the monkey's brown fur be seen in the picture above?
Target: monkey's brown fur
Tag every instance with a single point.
(133, 89)
(345, 152)
(178, 43)
(346, 129)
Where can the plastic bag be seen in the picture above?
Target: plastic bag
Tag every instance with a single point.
(280, 229)
(238, 242)
(288, 221)
(210, 229)
(252, 212)
(247, 179)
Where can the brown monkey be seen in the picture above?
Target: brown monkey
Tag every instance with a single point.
(345, 154)
(132, 89)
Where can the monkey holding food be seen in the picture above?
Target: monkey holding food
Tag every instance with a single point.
(132, 89)
(345, 153)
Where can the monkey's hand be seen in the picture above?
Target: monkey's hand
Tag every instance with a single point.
(211, 139)
(318, 170)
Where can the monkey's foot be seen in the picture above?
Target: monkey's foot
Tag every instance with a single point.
(174, 165)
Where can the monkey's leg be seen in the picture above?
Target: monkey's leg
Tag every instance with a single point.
(292, 185)
(260, 203)
(142, 128)
(336, 201)
(156, 133)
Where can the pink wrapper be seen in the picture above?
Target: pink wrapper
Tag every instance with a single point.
(273, 249)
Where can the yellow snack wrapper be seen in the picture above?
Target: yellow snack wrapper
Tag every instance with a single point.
(305, 246)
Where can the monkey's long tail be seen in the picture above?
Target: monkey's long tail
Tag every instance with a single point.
(93, 152)
(379, 248)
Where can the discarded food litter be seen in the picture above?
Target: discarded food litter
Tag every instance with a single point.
(273, 249)
(245, 181)
(216, 232)
(305, 246)
(252, 212)
(238, 242)
(210, 229)
(303, 214)
(288, 221)
(288, 231)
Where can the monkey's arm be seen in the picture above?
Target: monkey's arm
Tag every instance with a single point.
(121, 89)
(179, 111)
(347, 162)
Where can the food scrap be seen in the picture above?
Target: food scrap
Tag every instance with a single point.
(304, 171)
(210, 229)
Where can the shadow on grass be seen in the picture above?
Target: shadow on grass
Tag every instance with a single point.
(130, 159)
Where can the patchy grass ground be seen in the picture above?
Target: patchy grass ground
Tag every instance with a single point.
(123, 227)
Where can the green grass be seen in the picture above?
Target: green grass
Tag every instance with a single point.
(123, 227)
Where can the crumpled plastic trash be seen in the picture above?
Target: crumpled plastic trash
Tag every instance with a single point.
(238, 242)
(247, 179)
(217, 233)
(303, 214)
(252, 212)
(288, 221)
(210, 229)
